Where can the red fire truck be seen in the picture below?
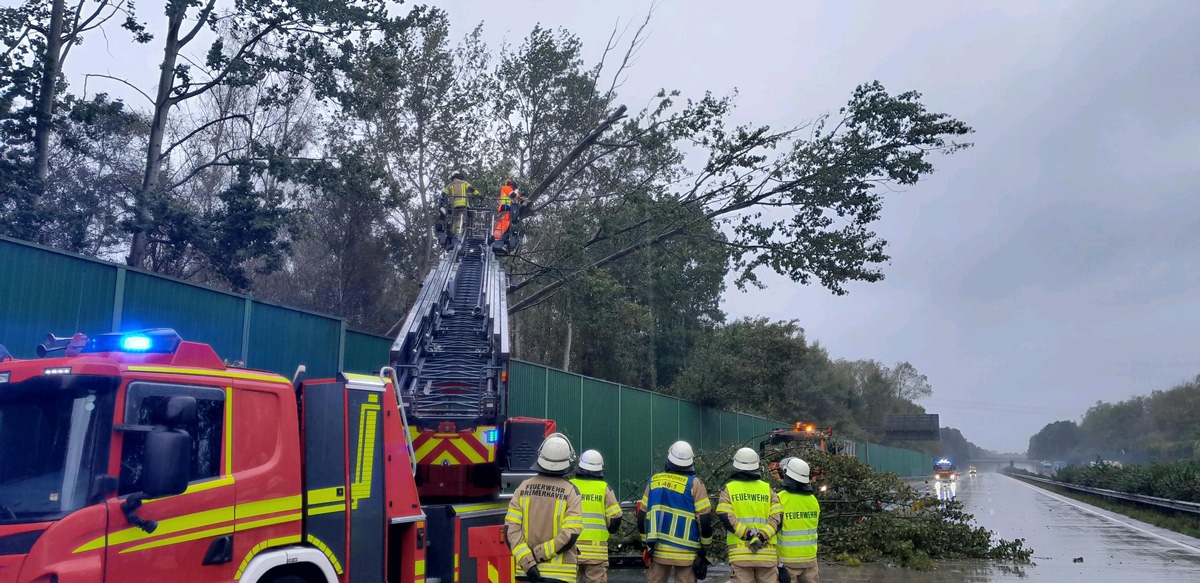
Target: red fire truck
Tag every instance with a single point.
(143, 457)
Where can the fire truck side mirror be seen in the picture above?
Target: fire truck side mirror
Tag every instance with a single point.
(168, 460)
(169, 449)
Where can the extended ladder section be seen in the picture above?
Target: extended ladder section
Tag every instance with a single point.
(453, 347)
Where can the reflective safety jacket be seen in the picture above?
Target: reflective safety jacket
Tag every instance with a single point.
(673, 505)
(746, 505)
(508, 194)
(797, 538)
(599, 506)
(544, 518)
(460, 193)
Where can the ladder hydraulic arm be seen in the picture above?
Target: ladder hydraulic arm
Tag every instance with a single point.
(451, 362)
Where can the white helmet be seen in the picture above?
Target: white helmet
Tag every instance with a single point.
(745, 459)
(680, 454)
(797, 469)
(555, 454)
(592, 461)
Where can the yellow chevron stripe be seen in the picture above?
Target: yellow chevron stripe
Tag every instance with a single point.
(162, 542)
(368, 416)
(261, 507)
(446, 459)
(326, 495)
(316, 542)
(228, 437)
(207, 518)
(467, 450)
(464, 508)
(271, 542)
(363, 378)
(427, 447)
(243, 526)
(329, 509)
(197, 487)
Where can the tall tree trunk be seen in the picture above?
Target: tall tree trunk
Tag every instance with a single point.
(567, 348)
(158, 126)
(51, 65)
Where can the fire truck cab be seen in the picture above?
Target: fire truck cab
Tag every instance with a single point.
(143, 457)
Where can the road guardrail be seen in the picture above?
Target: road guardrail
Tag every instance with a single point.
(1180, 505)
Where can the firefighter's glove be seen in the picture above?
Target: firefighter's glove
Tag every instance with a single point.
(751, 534)
(756, 541)
(784, 577)
(700, 565)
(647, 555)
(533, 574)
(762, 536)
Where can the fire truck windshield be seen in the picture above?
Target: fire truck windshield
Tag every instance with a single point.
(54, 441)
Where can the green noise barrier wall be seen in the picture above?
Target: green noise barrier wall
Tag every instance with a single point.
(44, 290)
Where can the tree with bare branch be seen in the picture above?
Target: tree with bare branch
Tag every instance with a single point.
(798, 201)
(308, 38)
(37, 37)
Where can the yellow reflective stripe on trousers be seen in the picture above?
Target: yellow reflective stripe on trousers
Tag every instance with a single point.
(671, 553)
(557, 570)
(592, 549)
(741, 552)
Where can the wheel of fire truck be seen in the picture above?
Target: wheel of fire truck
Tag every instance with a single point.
(288, 579)
(290, 565)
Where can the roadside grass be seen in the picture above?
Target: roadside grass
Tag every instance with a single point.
(1164, 518)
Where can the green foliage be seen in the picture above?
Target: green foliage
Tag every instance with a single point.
(745, 362)
(42, 125)
(1055, 441)
(770, 369)
(1175, 480)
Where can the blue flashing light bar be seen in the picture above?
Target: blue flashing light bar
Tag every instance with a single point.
(491, 435)
(153, 341)
(136, 343)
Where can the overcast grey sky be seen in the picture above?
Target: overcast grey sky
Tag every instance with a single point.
(1050, 266)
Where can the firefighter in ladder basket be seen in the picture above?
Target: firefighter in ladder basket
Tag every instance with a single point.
(504, 234)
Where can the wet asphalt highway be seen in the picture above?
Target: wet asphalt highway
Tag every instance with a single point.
(1059, 530)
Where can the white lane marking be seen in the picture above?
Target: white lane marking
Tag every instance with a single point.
(1104, 516)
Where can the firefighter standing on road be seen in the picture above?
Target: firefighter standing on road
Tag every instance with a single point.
(601, 517)
(457, 198)
(751, 514)
(675, 519)
(797, 538)
(545, 516)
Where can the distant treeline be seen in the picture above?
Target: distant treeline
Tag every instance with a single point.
(1164, 425)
